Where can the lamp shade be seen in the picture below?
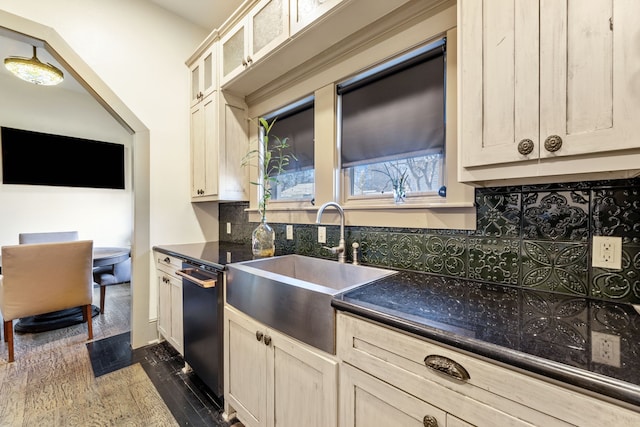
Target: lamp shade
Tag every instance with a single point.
(34, 71)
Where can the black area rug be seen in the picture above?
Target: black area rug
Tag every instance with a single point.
(110, 354)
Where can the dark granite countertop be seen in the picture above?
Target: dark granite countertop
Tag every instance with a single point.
(544, 333)
(214, 254)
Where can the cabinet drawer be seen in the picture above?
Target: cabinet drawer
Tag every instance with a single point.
(399, 359)
(168, 264)
(369, 401)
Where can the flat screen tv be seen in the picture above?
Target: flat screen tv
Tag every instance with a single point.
(36, 158)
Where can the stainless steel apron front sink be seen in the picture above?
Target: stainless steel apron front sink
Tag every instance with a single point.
(292, 293)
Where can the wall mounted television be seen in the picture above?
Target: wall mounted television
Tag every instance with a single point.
(35, 158)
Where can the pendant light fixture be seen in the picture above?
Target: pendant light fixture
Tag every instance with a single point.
(34, 71)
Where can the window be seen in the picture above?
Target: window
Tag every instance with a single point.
(392, 124)
(295, 123)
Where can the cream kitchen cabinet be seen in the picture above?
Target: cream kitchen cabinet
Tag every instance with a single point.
(547, 87)
(367, 401)
(169, 300)
(383, 369)
(273, 380)
(304, 12)
(219, 141)
(204, 75)
(264, 27)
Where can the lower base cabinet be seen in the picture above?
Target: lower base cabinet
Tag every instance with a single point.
(391, 378)
(273, 380)
(169, 300)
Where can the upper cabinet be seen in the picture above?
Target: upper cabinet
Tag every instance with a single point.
(265, 27)
(219, 141)
(304, 12)
(204, 74)
(270, 39)
(547, 83)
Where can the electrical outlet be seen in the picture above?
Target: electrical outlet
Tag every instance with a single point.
(322, 234)
(228, 228)
(606, 252)
(289, 232)
(605, 349)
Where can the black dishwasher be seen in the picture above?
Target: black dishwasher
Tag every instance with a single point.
(203, 323)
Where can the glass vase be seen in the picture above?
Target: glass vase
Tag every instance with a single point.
(399, 194)
(263, 240)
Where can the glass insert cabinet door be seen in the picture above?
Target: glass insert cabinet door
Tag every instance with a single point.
(303, 12)
(203, 76)
(264, 28)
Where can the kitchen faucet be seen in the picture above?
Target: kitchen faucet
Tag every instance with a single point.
(340, 249)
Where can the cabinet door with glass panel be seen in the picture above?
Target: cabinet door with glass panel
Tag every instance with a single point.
(304, 12)
(204, 74)
(264, 28)
(392, 129)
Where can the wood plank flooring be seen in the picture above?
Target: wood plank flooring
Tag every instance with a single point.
(52, 382)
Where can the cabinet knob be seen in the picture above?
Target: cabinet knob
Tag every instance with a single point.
(446, 366)
(244, 63)
(167, 260)
(267, 340)
(249, 60)
(429, 421)
(553, 143)
(525, 147)
(259, 335)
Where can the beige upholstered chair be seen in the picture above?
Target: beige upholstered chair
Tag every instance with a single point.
(45, 277)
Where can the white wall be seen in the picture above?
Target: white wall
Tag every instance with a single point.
(102, 215)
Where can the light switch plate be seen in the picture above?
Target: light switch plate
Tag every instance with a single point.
(322, 234)
(289, 232)
(606, 252)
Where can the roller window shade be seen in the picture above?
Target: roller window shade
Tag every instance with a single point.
(396, 113)
(297, 126)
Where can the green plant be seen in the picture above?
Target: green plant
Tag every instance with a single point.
(271, 158)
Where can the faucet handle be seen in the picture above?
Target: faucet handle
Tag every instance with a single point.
(355, 246)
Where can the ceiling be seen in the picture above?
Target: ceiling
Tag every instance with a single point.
(208, 14)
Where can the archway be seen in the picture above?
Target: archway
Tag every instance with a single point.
(142, 331)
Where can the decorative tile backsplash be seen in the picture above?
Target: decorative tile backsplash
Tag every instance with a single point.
(535, 236)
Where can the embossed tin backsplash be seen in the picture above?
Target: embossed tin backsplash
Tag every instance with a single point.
(534, 236)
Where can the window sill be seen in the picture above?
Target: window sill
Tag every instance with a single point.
(459, 215)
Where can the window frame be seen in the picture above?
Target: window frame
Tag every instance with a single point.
(285, 110)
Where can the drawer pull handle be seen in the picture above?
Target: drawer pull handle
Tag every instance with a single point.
(429, 421)
(446, 366)
(259, 335)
